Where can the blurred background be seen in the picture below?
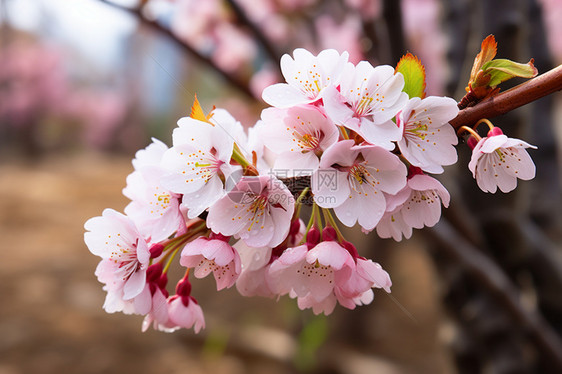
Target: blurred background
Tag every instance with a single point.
(86, 83)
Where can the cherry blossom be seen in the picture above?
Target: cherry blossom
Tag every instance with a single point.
(258, 210)
(360, 176)
(214, 255)
(358, 288)
(368, 98)
(306, 76)
(154, 209)
(428, 140)
(298, 136)
(183, 309)
(333, 121)
(198, 162)
(416, 206)
(255, 268)
(125, 255)
(497, 161)
(311, 274)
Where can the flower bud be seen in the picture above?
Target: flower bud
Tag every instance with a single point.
(183, 288)
(471, 141)
(495, 131)
(156, 250)
(163, 281)
(414, 170)
(351, 249)
(312, 238)
(153, 272)
(329, 234)
(295, 226)
(214, 236)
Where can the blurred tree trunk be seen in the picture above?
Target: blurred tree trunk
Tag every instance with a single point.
(487, 339)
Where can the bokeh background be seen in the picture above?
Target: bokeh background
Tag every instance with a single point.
(86, 83)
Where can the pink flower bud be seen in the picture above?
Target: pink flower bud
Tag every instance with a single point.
(329, 234)
(351, 249)
(312, 238)
(183, 288)
(295, 226)
(214, 236)
(153, 272)
(156, 250)
(472, 142)
(163, 281)
(414, 170)
(495, 131)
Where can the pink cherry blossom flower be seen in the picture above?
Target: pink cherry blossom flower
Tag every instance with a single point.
(497, 161)
(186, 315)
(312, 274)
(306, 76)
(368, 99)
(214, 255)
(124, 253)
(352, 179)
(428, 141)
(253, 280)
(258, 210)
(157, 315)
(357, 290)
(422, 198)
(154, 209)
(183, 309)
(151, 156)
(197, 161)
(298, 136)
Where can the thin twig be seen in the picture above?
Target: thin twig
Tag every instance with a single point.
(493, 279)
(241, 85)
(543, 85)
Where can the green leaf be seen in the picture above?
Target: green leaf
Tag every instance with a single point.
(414, 75)
(501, 70)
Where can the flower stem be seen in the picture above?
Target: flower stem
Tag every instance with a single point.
(175, 244)
(486, 121)
(298, 202)
(470, 131)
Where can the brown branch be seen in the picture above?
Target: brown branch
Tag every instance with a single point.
(241, 85)
(271, 52)
(543, 85)
(493, 279)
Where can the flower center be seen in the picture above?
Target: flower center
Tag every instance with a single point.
(308, 142)
(363, 105)
(127, 260)
(203, 165)
(359, 173)
(257, 209)
(417, 129)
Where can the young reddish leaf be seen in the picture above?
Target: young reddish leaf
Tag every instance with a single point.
(501, 70)
(488, 50)
(198, 114)
(414, 75)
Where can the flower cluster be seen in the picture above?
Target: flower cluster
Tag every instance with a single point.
(219, 197)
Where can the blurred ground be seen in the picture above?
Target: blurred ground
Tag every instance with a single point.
(51, 317)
